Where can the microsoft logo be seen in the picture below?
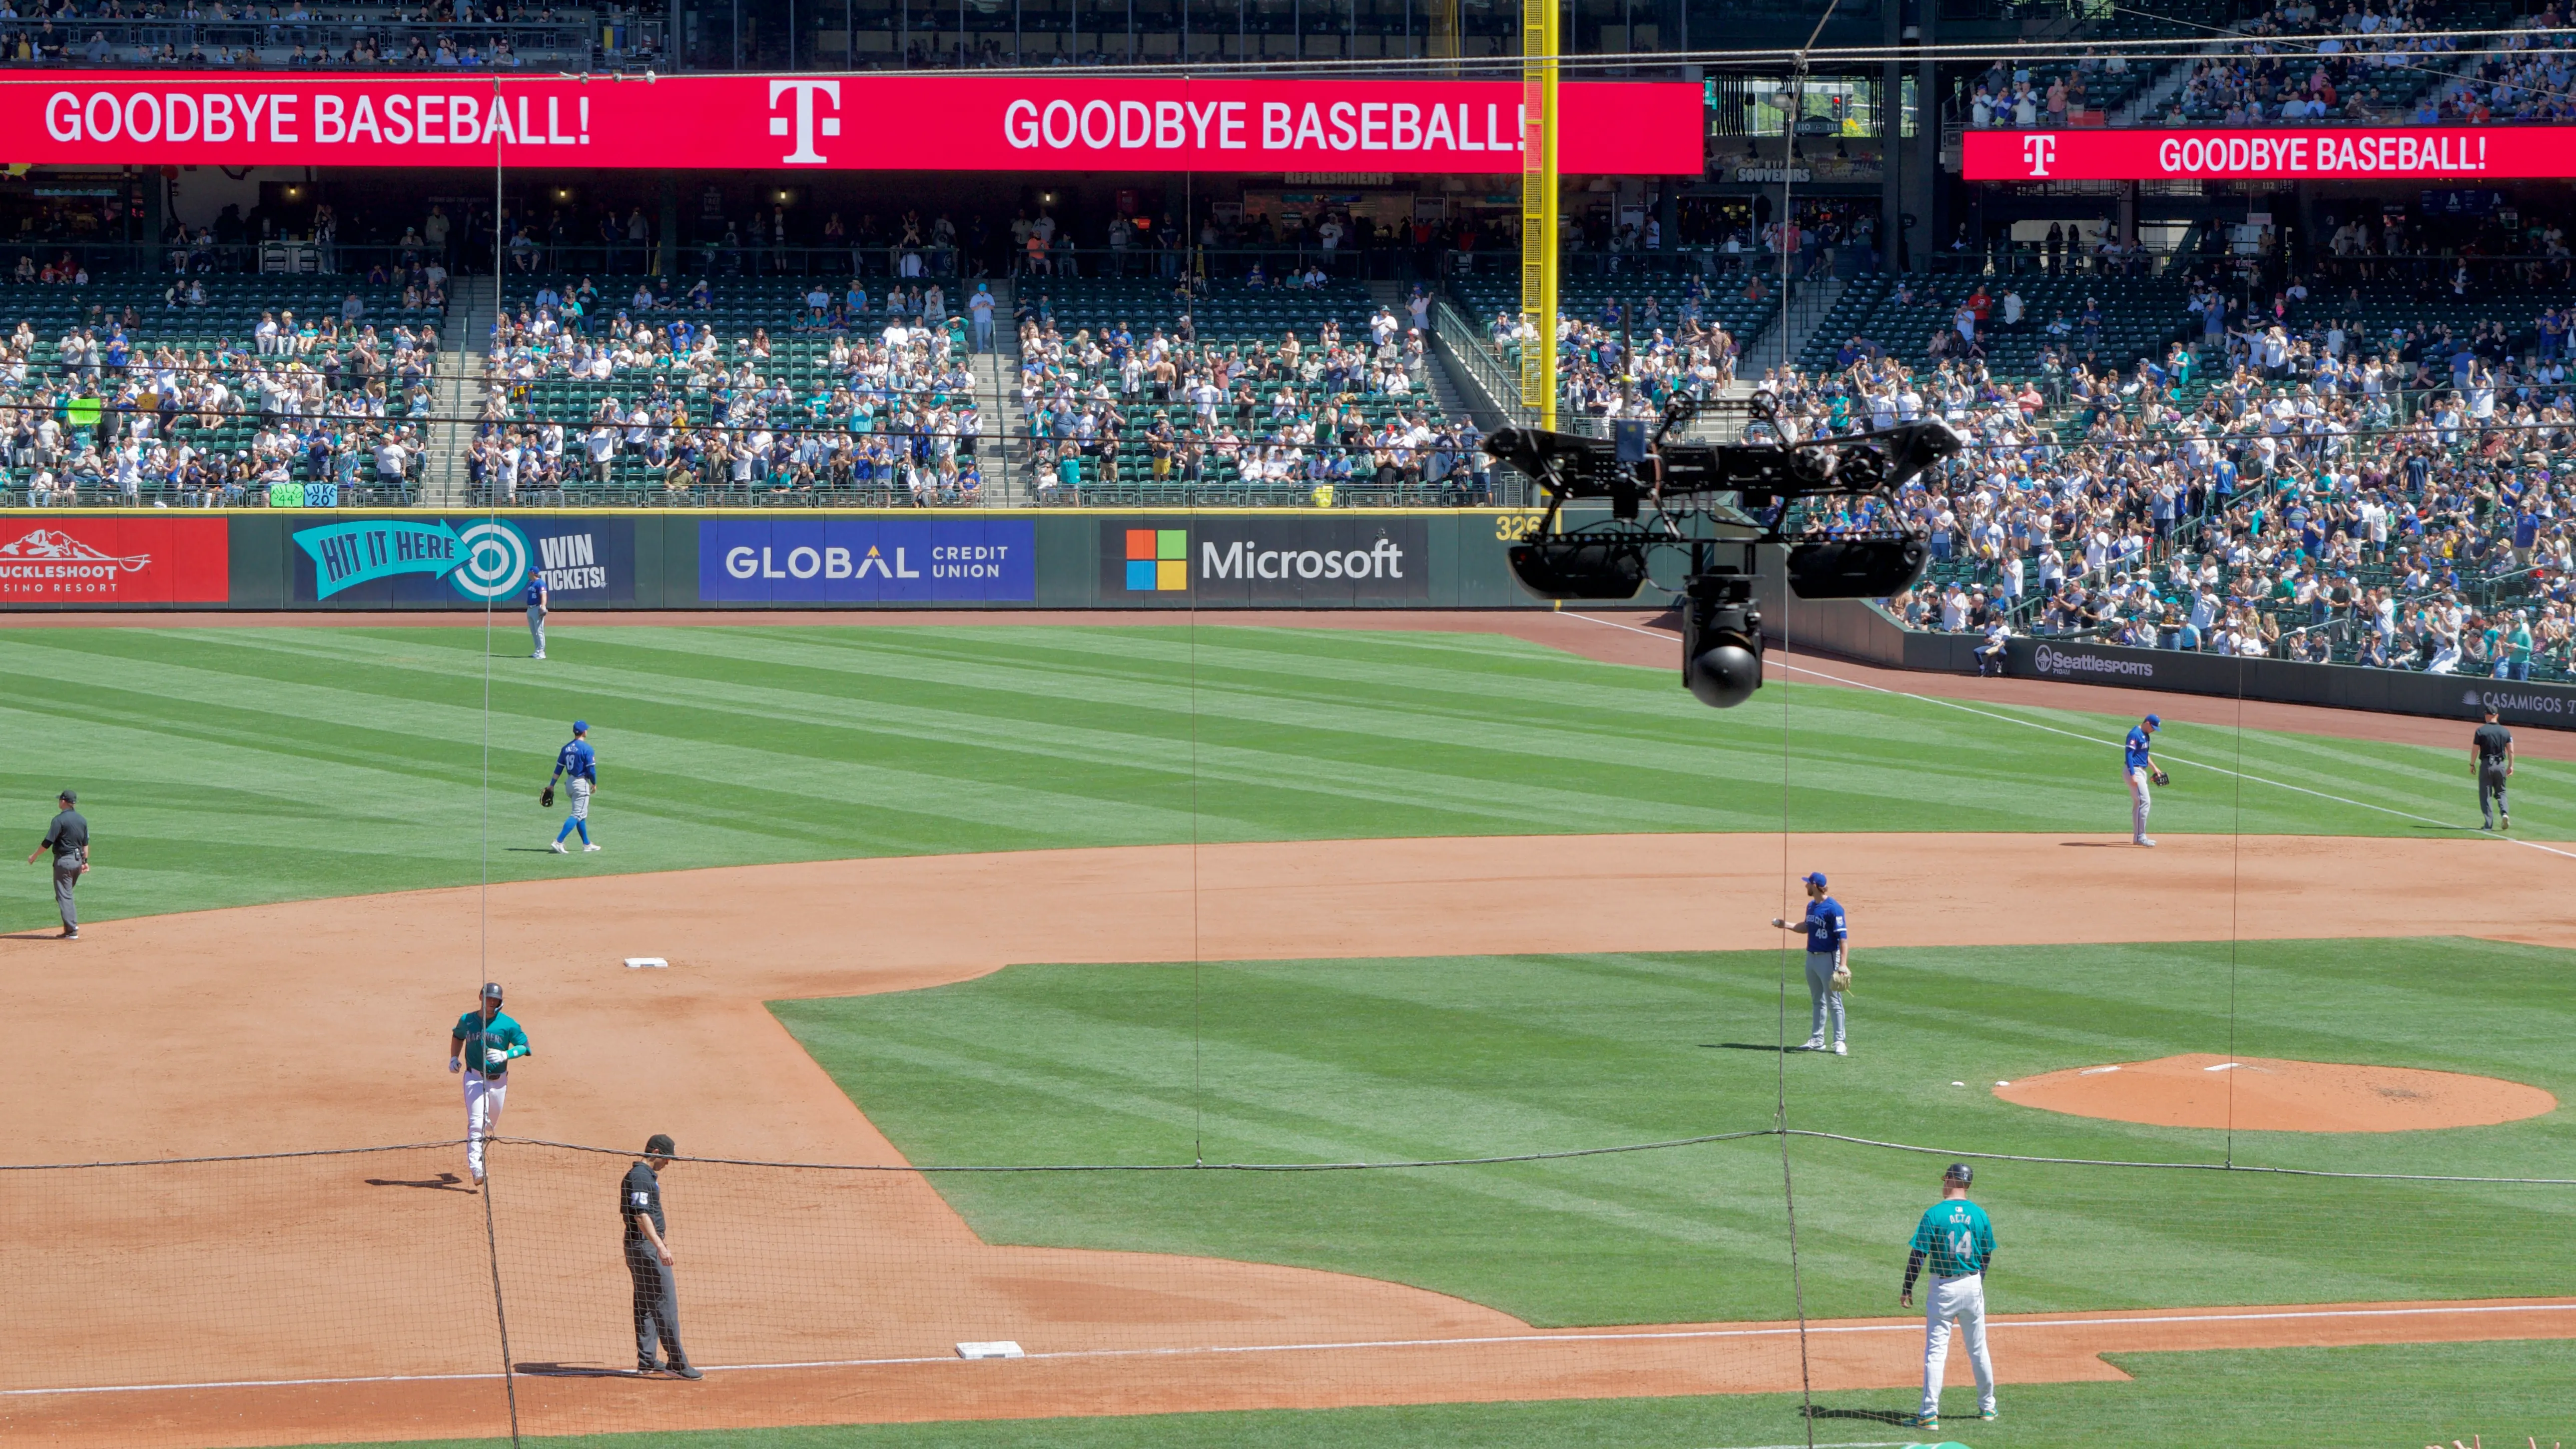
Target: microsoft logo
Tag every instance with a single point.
(1158, 560)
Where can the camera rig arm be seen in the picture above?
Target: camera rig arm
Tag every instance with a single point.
(1683, 484)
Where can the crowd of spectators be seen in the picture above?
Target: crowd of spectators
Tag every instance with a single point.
(2017, 93)
(855, 399)
(110, 417)
(1630, 359)
(1316, 413)
(2297, 490)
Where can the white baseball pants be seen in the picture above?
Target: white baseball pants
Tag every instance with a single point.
(580, 799)
(1965, 1300)
(2139, 803)
(483, 1099)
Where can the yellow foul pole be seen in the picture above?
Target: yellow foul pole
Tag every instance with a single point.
(1538, 210)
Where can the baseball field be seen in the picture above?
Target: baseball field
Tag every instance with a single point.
(1278, 1034)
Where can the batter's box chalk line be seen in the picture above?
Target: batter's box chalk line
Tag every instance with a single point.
(638, 963)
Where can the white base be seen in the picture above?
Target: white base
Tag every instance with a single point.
(637, 963)
(999, 1348)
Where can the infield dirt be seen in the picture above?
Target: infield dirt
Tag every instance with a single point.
(324, 1023)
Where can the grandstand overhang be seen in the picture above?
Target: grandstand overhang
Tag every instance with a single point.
(2411, 153)
(842, 123)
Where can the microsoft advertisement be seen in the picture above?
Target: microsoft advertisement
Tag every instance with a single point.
(1292, 559)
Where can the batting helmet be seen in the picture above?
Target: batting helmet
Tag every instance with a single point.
(1960, 1173)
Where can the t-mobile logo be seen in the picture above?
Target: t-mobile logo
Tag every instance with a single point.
(805, 91)
(2036, 151)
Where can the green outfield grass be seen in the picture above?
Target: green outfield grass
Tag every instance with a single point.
(2399, 1397)
(229, 766)
(1410, 1060)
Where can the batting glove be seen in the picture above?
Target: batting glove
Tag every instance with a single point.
(454, 1065)
(495, 1056)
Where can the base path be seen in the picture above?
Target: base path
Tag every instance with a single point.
(323, 1023)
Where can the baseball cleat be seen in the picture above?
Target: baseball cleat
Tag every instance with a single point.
(1927, 1421)
(1988, 1415)
(2507, 825)
(1812, 1044)
(594, 845)
(685, 1371)
(644, 1367)
(70, 933)
(2140, 840)
(1840, 1050)
(558, 848)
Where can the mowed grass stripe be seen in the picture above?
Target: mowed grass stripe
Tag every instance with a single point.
(1479, 1056)
(238, 765)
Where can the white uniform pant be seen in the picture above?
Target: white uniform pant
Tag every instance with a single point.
(537, 627)
(1828, 1002)
(1965, 1300)
(580, 799)
(483, 1099)
(2139, 803)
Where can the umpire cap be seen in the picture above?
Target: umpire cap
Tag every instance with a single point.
(1960, 1173)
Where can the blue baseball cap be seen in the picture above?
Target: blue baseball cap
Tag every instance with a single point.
(582, 727)
(2152, 723)
(1815, 877)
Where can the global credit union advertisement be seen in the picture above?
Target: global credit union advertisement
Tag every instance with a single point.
(374, 562)
(867, 560)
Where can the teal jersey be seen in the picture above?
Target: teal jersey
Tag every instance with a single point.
(1954, 1238)
(501, 1032)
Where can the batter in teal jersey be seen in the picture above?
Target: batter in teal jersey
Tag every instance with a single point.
(1956, 1242)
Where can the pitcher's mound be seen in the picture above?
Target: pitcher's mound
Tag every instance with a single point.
(2256, 1094)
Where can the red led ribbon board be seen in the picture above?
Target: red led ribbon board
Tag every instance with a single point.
(842, 123)
(2417, 153)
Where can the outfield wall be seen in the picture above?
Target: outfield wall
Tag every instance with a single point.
(2282, 681)
(753, 559)
(1858, 630)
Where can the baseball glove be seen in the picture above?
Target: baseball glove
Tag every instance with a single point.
(1841, 981)
(2161, 778)
(546, 797)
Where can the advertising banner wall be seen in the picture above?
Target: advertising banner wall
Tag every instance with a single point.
(371, 563)
(867, 560)
(2414, 153)
(842, 123)
(160, 560)
(2397, 691)
(1289, 559)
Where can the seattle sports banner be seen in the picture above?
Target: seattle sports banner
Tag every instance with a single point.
(841, 123)
(2502, 153)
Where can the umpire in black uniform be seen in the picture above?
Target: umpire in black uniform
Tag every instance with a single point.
(68, 839)
(648, 1261)
(2491, 749)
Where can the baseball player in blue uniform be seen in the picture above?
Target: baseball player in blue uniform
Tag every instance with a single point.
(537, 611)
(1828, 935)
(577, 765)
(1957, 1243)
(489, 1041)
(2140, 767)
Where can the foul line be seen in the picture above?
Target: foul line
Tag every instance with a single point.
(2111, 744)
(1907, 1326)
